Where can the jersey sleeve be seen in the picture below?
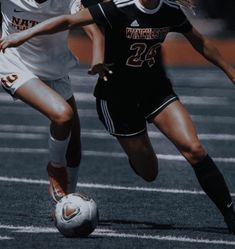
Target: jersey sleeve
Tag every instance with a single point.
(104, 14)
(75, 6)
(181, 23)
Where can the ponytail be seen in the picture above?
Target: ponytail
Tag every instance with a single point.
(186, 3)
(189, 4)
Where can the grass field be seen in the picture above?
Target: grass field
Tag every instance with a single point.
(171, 213)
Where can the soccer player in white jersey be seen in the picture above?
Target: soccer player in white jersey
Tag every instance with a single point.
(37, 73)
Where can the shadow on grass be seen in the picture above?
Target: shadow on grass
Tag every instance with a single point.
(143, 225)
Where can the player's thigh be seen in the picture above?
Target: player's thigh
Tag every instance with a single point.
(40, 96)
(141, 155)
(175, 122)
(138, 147)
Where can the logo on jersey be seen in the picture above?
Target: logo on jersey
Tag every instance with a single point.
(8, 80)
(135, 24)
(146, 33)
(22, 24)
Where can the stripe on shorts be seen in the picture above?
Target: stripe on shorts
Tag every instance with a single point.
(163, 105)
(107, 117)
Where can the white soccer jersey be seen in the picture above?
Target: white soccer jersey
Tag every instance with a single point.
(48, 57)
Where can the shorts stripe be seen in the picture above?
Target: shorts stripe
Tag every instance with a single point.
(162, 106)
(107, 117)
(128, 135)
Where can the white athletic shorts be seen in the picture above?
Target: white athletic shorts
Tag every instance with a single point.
(13, 74)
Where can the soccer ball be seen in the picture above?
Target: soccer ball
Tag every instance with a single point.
(76, 215)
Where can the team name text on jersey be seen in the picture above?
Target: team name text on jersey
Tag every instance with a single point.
(146, 33)
(22, 24)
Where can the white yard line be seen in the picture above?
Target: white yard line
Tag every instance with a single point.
(25, 110)
(168, 238)
(108, 154)
(107, 186)
(115, 234)
(5, 238)
(26, 131)
(188, 100)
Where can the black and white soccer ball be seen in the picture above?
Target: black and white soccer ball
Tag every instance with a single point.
(76, 215)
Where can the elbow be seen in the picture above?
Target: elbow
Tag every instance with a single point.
(95, 35)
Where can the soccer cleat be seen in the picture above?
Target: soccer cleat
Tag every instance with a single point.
(230, 221)
(58, 182)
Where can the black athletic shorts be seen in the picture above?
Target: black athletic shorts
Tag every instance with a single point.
(123, 117)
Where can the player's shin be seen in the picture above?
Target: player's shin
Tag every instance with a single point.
(56, 168)
(214, 185)
(57, 151)
(72, 178)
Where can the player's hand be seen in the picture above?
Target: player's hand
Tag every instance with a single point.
(12, 40)
(101, 69)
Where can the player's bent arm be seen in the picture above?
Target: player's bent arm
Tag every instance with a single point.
(206, 48)
(98, 46)
(50, 26)
(97, 38)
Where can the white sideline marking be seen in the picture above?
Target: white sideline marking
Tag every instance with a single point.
(24, 110)
(24, 136)
(191, 100)
(115, 234)
(168, 238)
(205, 100)
(5, 238)
(213, 119)
(99, 134)
(108, 186)
(33, 229)
(10, 130)
(109, 154)
(23, 128)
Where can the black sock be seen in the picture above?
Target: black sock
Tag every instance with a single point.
(213, 183)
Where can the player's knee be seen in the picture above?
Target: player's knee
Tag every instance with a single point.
(62, 115)
(145, 166)
(150, 173)
(195, 152)
(150, 177)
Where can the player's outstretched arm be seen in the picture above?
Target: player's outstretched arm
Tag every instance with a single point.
(206, 48)
(50, 26)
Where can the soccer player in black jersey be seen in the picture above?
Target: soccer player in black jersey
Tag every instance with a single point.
(138, 90)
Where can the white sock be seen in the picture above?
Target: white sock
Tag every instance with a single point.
(57, 151)
(72, 178)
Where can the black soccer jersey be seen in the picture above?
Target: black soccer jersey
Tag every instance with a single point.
(134, 34)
